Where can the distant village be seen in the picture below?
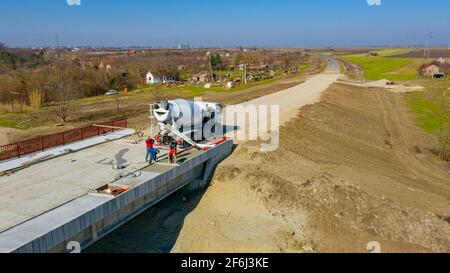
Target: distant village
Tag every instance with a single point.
(82, 72)
(59, 73)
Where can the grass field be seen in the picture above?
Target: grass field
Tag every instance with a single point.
(431, 109)
(187, 91)
(21, 121)
(384, 66)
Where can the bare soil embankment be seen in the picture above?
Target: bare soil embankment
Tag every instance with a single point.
(350, 169)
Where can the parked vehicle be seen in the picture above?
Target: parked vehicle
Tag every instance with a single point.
(111, 93)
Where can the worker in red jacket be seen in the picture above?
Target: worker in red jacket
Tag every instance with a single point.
(173, 152)
(151, 151)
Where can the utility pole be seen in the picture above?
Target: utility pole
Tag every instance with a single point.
(427, 51)
(245, 73)
(152, 119)
(210, 67)
(57, 40)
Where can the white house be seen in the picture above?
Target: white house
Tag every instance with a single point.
(151, 79)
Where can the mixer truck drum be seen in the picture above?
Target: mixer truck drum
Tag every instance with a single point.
(162, 104)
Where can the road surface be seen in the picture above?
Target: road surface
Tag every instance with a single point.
(289, 100)
(309, 92)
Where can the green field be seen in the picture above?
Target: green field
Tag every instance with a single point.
(384, 66)
(21, 121)
(430, 108)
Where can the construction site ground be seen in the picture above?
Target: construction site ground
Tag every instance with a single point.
(351, 169)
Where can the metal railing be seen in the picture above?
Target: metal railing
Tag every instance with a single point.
(18, 149)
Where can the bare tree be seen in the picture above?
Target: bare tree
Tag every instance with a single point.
(65, 94)
(118, 101)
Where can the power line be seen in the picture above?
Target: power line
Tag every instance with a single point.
(427, 50)
(57, 40)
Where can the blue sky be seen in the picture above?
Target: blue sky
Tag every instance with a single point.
(224, 22)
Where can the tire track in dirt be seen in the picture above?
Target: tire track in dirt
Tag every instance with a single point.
(401, 139)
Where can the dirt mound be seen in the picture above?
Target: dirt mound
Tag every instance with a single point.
(391, 87)
(352, 207)
(332, 201)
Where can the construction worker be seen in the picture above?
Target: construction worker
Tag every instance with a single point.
(154, 155)
(150, 143)
(158, 138)
(173, 152)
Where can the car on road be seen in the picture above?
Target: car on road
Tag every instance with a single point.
(111, 93)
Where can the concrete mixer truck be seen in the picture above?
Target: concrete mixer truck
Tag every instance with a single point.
(189, 121)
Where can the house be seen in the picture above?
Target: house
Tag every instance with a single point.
(259, 69)
(435, 68)
(104, 65)
(430, 70)
(201, 77)
(184, 46)
(152, 79)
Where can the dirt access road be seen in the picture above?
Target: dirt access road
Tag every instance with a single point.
(292, 99)
(289, 102)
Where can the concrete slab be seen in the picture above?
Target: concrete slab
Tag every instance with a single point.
(39, 226)
(44, 186)
(142, 176)
(88, 218)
